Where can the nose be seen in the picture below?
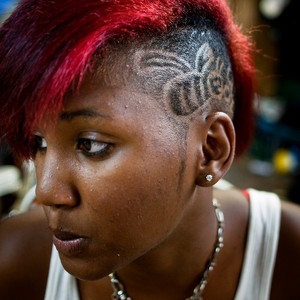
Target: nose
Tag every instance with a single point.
(54, 182)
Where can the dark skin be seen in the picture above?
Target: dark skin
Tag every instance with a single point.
(173, 240)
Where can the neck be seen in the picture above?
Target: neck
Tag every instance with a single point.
(175, 266)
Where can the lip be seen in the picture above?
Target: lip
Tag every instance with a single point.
(68, 243)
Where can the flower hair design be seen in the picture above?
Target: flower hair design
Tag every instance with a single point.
(190, 86)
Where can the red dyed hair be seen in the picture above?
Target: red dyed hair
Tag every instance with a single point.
(47, 46)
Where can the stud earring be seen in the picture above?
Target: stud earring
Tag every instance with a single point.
(209, 177)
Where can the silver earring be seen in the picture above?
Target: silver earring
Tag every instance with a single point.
(209, 177)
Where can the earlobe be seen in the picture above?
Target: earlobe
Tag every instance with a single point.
(218, 149)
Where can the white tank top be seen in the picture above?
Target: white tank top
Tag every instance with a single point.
(256, 277)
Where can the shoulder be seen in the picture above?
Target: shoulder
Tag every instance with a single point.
(287, 268)
(25, 249)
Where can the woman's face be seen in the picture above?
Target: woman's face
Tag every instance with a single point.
(113, 177)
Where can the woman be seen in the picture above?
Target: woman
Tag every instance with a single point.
(132, 111)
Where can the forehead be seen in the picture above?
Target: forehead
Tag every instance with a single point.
(115, 101)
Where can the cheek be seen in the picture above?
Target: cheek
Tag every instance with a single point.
(137, 202)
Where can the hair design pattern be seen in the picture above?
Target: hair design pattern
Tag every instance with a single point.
(190, 87)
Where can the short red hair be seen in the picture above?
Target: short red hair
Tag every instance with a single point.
(46, 47)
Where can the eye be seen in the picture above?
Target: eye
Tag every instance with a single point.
(40, 143)
(93, 148)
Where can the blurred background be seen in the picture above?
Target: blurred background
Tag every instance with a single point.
(273, 160)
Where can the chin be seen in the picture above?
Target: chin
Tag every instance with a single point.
(88, 270)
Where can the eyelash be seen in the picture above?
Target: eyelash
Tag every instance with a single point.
(84, 145)
(40, 143)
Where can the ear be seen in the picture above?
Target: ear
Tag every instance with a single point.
(217, 149)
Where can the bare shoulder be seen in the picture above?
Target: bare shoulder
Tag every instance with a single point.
(287, 268)
(25, 248)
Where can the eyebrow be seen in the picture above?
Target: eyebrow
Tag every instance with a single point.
(89, 113)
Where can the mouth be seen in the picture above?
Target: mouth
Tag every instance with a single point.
(67, 243)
